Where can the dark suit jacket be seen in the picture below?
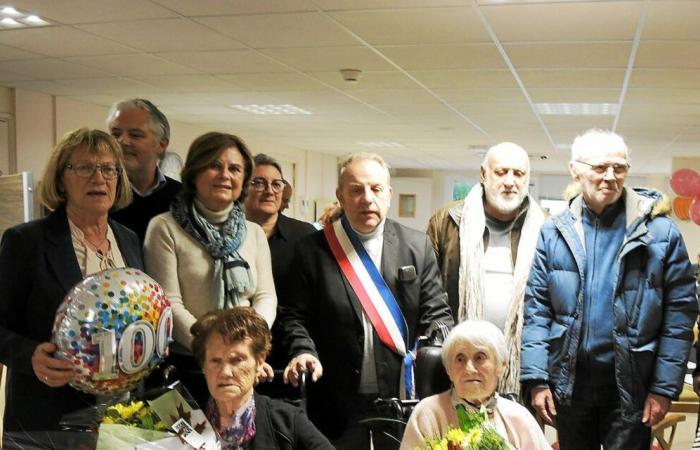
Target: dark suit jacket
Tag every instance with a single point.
(322, 316)
(281, 426)
(37, 268)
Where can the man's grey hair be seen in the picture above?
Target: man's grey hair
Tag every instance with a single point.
(361, 156)
(596, 139)
(261, 159)
(475, 332)
(157, 121)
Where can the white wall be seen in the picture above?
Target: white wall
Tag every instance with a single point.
(422, 189)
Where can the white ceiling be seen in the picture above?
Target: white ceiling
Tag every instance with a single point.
(440, 77)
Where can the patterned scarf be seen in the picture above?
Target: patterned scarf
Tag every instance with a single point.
(230, 269)
(240, 432)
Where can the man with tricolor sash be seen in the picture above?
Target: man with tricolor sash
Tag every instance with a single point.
(363, 290)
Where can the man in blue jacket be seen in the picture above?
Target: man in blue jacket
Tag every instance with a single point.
(609, 307)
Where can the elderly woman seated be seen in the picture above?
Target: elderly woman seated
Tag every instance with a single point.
(230, 345)
(474, 355)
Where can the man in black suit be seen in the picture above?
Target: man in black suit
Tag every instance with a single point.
(328, 329)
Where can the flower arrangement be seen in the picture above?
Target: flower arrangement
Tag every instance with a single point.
(135, 414)
(474, 433)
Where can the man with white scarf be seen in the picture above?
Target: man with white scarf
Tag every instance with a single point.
(485, 245)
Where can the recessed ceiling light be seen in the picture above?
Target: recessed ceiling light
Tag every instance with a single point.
(577, 109)
(272, 109)
(34, 20)
(9, 11)
(381, 144)
(9, 22)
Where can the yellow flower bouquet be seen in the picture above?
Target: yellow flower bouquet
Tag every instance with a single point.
(474, 433)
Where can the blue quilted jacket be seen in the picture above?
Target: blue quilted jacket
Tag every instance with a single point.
(654, 304)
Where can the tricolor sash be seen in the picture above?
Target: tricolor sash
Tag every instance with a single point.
(377, 300)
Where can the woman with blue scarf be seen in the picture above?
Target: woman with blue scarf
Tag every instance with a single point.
(203, 251)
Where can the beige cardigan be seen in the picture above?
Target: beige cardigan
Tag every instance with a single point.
(184, 269)
(434, 415)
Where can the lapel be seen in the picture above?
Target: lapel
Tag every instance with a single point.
(131, 255)
(59, 250)
(390, 258)
(265, 434)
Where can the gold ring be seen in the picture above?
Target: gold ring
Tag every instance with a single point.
(46, 378)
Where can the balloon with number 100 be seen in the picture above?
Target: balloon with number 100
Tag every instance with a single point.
(115, 326)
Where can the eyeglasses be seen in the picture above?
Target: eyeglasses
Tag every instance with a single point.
(601, 169)
(87, 170)
(261, 184)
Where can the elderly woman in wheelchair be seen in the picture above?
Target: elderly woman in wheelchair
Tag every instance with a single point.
(474, 356)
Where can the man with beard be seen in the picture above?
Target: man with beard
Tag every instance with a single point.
(143, 132)
(485, 245)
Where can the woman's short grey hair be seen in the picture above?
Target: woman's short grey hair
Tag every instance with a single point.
(361, 156)
(596, 139)
(475, 332)
(261, 159)
(157, 121)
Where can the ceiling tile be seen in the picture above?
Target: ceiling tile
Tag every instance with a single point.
(368, 80)
(59, 42)
(132, 65)
(330, 5)
(415, 26)
(432, 57)
(273, 81)
(665, 78)
(573, 95)
(667, 95)
(96, 86)
(569, 55)
(466, 79)
(86, 11)
(163, 35)
(669, 55)
(53, 69)
(673, 20)
(552, 21)
(7, 77)
(394, 96)
(328, 58)
(572, 78)
(10, 53)
(458, 96)
(195, 8)
(282, 30)
(187, 83)
(226, 61)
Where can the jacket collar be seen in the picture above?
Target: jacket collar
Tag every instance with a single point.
(59, 249)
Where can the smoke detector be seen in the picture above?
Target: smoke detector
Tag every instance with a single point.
(351, 75)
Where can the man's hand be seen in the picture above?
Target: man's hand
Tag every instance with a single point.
(265, 373)
(51, 371)
(655, 409)
(302, 363)
(543, 402)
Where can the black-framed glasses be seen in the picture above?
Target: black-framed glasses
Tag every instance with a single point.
(87, 170)
(601, 169)
(261, 184)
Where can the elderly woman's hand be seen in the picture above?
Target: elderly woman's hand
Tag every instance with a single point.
(51, 371)
(302, 363)
(265, 373)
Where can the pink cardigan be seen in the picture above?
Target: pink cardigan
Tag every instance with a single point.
(434, 415)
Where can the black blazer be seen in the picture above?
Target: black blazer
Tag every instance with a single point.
(280, 426)
(322, 316)
(38, 267)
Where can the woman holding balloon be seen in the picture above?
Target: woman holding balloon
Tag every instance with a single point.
(205, 254)
(39, 263)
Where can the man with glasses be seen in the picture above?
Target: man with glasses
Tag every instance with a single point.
(609, 307)
(143, 132)
(262, 206)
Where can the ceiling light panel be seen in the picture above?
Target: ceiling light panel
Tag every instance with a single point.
(272, 109)
(13, 18)
(577, 109)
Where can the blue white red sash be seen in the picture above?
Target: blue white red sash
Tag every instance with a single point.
(376, 298)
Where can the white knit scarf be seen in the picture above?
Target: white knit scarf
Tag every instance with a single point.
(471, 276)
